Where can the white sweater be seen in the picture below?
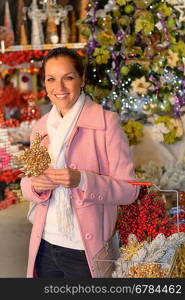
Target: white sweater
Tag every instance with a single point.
(61, 227)
(51, 233)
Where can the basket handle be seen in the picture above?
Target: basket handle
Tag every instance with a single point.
(144, 183)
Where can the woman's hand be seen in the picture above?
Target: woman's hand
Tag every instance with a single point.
(68, 178)
(42, 183)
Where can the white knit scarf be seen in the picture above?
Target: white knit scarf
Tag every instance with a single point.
(59, 129)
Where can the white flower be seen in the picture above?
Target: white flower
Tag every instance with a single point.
(140, 85)
(101, 13)
(158, 130)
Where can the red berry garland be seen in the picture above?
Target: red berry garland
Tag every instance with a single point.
(20, 57)
(146, 218)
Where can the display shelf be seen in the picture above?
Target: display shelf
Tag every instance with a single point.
(44, 47)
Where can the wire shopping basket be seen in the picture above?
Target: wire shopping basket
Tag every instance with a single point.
(112, 264)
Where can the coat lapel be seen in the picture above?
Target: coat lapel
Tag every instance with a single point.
(92, 115)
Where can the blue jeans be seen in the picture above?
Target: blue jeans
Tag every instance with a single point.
(58, 262)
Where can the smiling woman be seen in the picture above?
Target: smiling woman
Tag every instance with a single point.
(78, 195)
(63, 82)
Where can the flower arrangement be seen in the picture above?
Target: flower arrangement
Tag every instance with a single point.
(165, 177)
(134, 131)
(167, 129)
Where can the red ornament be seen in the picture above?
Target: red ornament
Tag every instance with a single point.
(25, 78)
(29, 112)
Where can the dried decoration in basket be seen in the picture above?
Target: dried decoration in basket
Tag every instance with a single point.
(34, 160)
(157, 258)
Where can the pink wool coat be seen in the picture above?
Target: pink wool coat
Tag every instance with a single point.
(99, 146)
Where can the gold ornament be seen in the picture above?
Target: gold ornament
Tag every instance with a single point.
(131, 249)
(147, 271)
(34, 160)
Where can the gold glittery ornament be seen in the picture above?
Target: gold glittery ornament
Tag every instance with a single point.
(147, 271)
(131, 249)
(34, 160)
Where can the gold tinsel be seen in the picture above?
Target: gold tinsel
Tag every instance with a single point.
(147, 271)
(34, 160)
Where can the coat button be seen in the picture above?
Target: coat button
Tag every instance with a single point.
(80, 202)
(88, 236)
(92, 196)
(72, 166)
(100, 197)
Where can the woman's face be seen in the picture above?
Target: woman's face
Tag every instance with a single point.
(63, 83)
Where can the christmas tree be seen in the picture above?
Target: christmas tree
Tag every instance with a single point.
(136, 62)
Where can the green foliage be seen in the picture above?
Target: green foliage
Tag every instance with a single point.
(134, 131)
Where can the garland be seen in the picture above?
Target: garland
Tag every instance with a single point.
(20, 57)
(146, 218)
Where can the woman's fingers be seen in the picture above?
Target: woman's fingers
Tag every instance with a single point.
(43, 183)
(65, 177)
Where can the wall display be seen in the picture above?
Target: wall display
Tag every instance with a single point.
(29, 20)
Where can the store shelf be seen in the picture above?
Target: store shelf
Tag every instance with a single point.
(44, 47)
